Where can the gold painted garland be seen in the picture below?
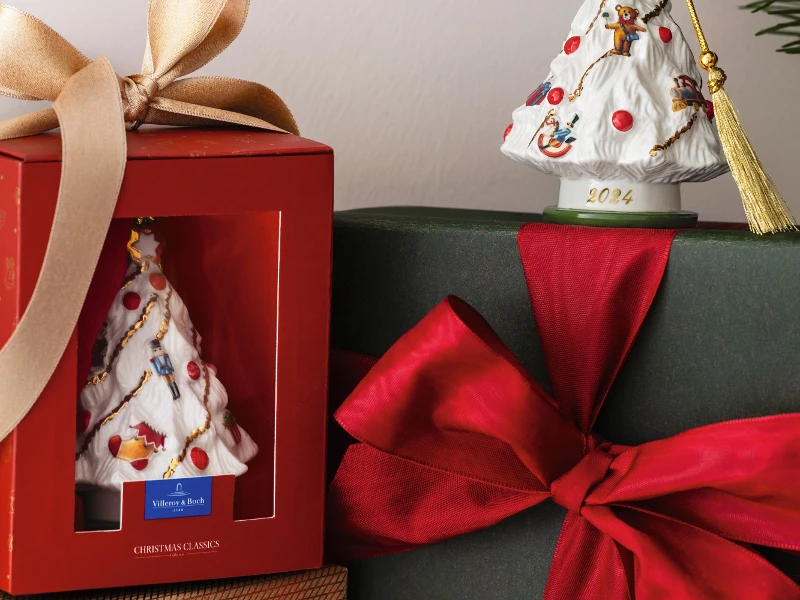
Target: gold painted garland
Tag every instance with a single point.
(113, 414)
(655, 12)
(197, 432)
(599, 12)
(579, 90)
(98, 379)
(675, 137)
(131, 278)
(167, 318)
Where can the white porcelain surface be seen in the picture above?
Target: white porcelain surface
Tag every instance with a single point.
(619, 196)
(640, 84)
(154, 404)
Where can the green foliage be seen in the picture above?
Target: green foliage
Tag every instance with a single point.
(789, 13)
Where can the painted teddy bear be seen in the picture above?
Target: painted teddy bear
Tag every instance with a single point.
(625, 30)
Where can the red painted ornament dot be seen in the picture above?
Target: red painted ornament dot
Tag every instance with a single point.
(131, 301)
(572, 44)
(212, 368)
(114, 444)
(141, 464)
(556, 96)
(622, 120)
(666, 34)
(508, 131)
(199, 458)
(193, 370)
(710, 110)
(158, 281)
(84, 418)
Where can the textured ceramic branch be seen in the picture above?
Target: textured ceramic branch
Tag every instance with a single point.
(623, 110)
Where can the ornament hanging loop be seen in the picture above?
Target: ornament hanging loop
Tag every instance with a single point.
(701, 37)
(708, 59)
(764, 204)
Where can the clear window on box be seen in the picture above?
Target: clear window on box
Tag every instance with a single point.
(177, 365)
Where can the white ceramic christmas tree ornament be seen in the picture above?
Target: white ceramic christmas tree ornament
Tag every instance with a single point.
(622, 119)
(152, 408)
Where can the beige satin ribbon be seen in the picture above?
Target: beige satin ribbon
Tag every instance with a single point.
(94, 106)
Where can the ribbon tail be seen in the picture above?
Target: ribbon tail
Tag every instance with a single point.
(587, 565)
(381, 504)
(703, 478)
(211, 100)
(681, 562)
(766, 522)
(93, 136)
(30, 124)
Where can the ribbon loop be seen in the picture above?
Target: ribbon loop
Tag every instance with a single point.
(571, 489)
(184, 36)
(35, 61)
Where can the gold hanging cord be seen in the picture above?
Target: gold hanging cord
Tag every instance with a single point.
(764, 205)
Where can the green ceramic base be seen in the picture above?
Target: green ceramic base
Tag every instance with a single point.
(565, 216)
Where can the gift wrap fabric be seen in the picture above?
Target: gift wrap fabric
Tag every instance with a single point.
(717, 345)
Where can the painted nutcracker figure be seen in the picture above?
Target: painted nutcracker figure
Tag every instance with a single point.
(163, 366)
(151, 408)
(628, 85)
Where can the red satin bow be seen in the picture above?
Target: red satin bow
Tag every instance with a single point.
(456, 437)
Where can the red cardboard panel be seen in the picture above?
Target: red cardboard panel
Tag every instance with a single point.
(249, 251)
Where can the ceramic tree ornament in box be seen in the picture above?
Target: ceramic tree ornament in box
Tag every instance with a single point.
(151, 408)
(623, 118)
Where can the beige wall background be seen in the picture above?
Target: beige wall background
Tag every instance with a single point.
(414, 95)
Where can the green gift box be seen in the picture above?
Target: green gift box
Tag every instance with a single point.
(721, 342)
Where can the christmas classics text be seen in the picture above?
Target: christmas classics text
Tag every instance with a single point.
(177, 548)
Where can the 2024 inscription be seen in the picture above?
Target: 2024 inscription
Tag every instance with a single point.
(611, 196)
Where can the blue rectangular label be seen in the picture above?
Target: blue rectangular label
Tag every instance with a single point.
(176, 498)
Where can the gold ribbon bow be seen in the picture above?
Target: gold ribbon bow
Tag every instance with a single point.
(94, 106)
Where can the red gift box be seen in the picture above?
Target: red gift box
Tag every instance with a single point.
(247, 220)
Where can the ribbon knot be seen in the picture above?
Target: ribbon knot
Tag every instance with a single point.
(571, 489)
(139, 91)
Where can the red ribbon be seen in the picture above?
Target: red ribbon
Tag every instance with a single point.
(456, 436)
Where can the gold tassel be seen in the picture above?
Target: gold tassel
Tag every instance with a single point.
(764, 205)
